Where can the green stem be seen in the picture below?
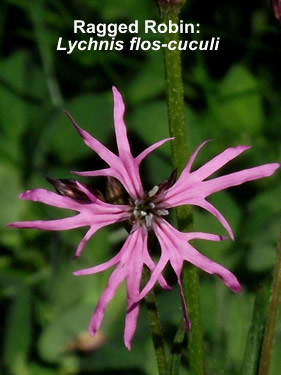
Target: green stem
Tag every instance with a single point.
(155, 326)
(174, 86)
(274, 303)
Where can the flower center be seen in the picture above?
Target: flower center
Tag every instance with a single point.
(144, 210)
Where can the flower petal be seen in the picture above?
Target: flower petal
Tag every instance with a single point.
(100, 172)
(203, 236)
(125, 167)
(219, 161)
(164, 258)
(126, 171)
(56, 225)
(191, 189)
(237, 178)
(169, 236)
(193, 256)
(182, 199)
(130, 325)
(116, 278)
(151, 265)
(193, 157)
(147, 151)
(50, 198)
(183, 303)
(130, 180)
(176, 261)
(86, 238)
(177, 267)
(119, 125)
(95, 215)
(209, 207)
(129, 244)
(135, 267)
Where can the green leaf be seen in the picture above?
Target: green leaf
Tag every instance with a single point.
(54, 340)
(12, 107)
(206, 222)
(10, 187)
(149, 81)
(151, 124)
(262, 229)
(37, 14)
(35, 369)
(93, 113)
(237, 93)
(254, 340)
(18, 333)
(236, 310)
(262, 254)
(13, 112)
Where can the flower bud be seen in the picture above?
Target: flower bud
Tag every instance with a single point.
(166, 184)
(276, 5)
(114, 191)
(69, 188)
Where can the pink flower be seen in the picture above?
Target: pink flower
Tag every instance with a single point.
(145, 211)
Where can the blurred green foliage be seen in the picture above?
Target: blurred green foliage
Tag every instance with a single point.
(232, 96)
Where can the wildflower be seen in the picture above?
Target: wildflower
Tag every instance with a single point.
(145, 211)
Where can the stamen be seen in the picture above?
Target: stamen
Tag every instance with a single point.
(153, 191)
(148, 220)
(162, 212)
(146, 210)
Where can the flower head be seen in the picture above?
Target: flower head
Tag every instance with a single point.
(146, 212)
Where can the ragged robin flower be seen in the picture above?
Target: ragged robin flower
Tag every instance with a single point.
(146, 212)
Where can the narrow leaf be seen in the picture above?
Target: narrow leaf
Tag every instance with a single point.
(254, 340)
(175, 358)
(271, 321)
(18, 333)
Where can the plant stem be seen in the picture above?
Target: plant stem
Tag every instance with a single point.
(170, 12)
(274, 303)
(155, 326)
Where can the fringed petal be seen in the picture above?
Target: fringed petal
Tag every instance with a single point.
(171, 237)
(134, 273)
(147, 151)
(237, 178)
(116, 278)
(151, 265)
(119, 125)
(54, 225)
(219, 161)
(50, 198)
